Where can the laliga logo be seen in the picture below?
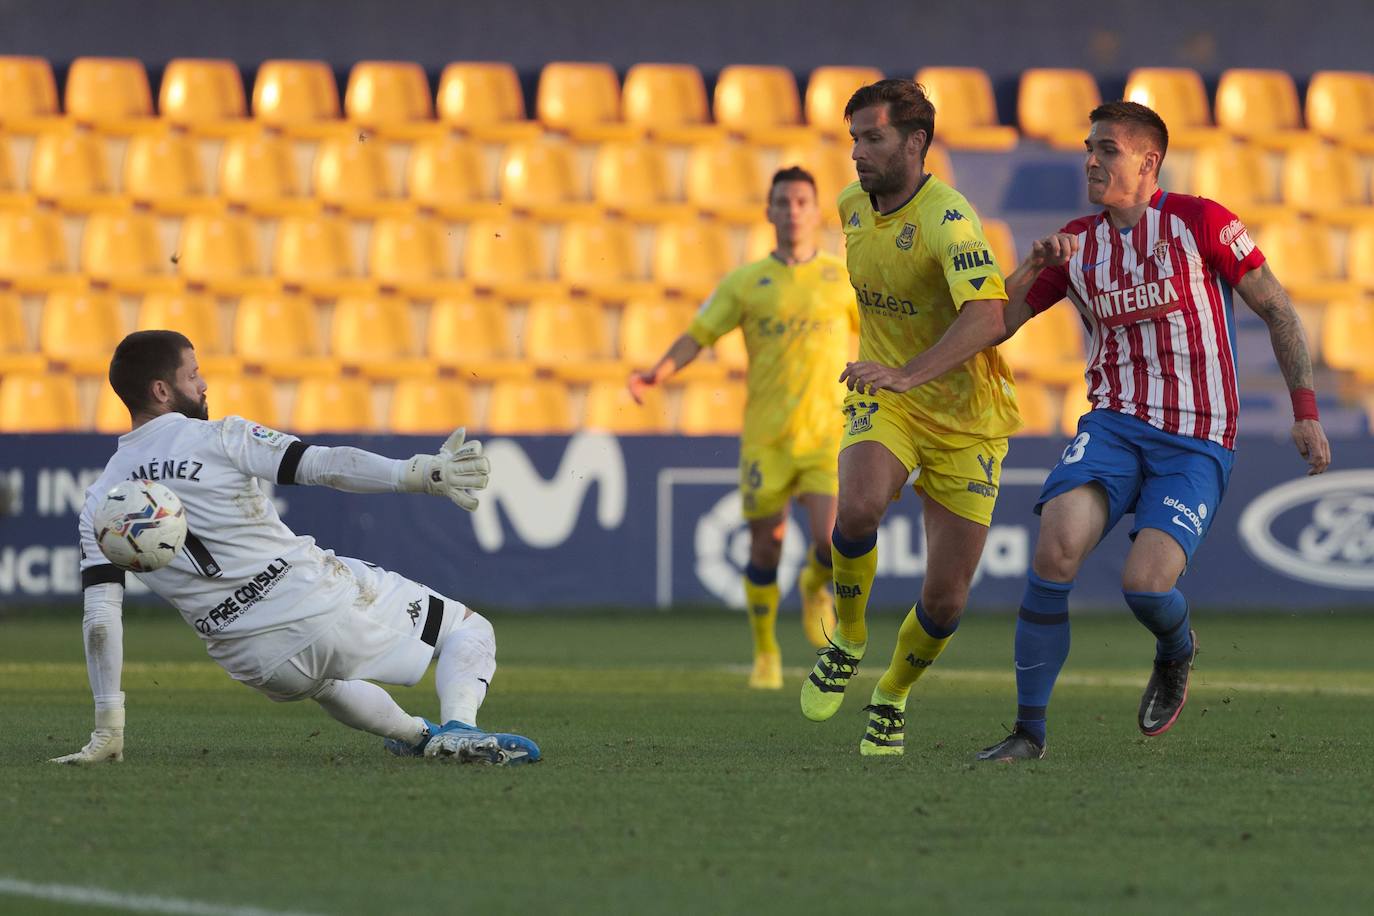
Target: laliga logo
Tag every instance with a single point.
(722, 551)
(1335, 547)
(544, 512)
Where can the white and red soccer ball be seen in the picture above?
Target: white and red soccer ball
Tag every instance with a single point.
(140, 525)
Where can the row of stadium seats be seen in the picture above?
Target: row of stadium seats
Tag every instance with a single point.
(48, 402)
(587, 101)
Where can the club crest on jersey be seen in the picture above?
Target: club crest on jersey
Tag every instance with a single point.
(907, 237)
(1162, 252)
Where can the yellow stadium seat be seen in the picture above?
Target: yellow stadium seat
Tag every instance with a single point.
(197, 317)
(832, 167)
(257, 172)
(1340, 107)
(111, 416)
(711, 408)
(1236, 175)
(610, 409)
(391, 98)
(314, 255)
(484, 100)
(668, 101)
(1348, 337)
(79, 330)
(938, 164)
(333, 405)
(219, 252)
(239, 395)
(28, 95)
(110, 94)
(409, 255)
(33, 252)
(506, 258)
(966, 113)
(16, 353)
(204, 96)
(1359, 257)
(12, 195)
(1178, 96)
(761, 104)
(569, 339)
(648, 327)
(121, 250)
(1053, 105)
(1049, 347)
(759, 242)
(690, 258)
(999, 237)
(446, 177)
(472, 338)
(353, 176)
(723, 180)
(1074, 406)
(582, 100)
(633, 180)
(529, 407)
(279, 334)
(298, 97)
(430, 406)
(1326, 182)
(542, 179)
(38, 403)
(67, 169)
(376, 335)
(598, 259)
(1260, 106)
(828, 92)
(1039, 409)
(162, 172)
(1301, 254)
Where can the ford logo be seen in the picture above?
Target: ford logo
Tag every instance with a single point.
(1334, 519)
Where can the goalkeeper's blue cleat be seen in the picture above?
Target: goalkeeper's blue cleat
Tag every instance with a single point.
(458, 742)
(405, 749)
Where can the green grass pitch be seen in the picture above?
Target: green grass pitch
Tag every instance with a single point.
(669, 787)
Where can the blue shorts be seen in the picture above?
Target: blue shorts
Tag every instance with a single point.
(1172, 483)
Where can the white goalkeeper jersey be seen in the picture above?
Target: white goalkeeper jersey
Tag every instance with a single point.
(255, 591)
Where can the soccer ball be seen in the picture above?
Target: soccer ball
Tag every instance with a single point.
(140, 525)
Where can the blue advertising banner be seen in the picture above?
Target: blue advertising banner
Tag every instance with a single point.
(595, 521)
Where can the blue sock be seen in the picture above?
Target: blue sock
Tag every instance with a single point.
(823, 557)
(760, 576)
(1164, 614)
(1042, 645)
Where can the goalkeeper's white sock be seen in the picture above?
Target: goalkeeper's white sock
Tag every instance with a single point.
(467, 661)
(367, 707)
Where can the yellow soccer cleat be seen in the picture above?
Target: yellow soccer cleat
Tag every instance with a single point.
(767, 673)
(886, 731)
(823, 690)
(818, 608)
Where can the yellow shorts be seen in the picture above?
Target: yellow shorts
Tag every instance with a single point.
(768, 477)
(963, 480)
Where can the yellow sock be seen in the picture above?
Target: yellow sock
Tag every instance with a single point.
(853, 582)
(815, 576)
(762, 603)
(916, 651)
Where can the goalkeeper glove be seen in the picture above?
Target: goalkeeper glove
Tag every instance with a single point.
(459, 468)
(107, 741)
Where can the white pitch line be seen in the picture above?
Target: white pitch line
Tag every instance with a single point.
(135, 903)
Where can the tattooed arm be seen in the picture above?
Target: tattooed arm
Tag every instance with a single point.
(1268, 299)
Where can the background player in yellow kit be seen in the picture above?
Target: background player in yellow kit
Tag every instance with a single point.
(929, 394)
(797, 312)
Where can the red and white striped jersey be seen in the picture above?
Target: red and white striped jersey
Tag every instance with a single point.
(1156, 300)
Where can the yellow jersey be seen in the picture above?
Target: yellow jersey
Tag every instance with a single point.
(912, 270)
(797, 323)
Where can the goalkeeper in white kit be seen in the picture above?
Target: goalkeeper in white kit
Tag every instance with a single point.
(277, 612)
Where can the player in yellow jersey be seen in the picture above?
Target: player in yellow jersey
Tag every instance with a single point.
(929, 395)
(797, 312)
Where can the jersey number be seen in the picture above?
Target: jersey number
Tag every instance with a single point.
(201, 557)
(1075, 450)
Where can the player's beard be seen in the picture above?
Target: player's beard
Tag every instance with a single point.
(190, 407)
(891, 179)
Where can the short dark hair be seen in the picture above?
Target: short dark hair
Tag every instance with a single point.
(908, 106)
(140, 359)
(1138, 116)
(791, 173)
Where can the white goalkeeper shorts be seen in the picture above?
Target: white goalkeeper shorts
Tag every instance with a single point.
(391, 639)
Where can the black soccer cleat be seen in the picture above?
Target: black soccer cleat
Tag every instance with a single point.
(1019, 745)
(1166, 693)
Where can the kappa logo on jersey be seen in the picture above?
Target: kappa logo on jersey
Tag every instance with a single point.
(413, 609)
(854, 219)
(952, 216)
(860, 415)
(907, 237)
(244, 597)
(765, 281)
(1124, 306)
(968, 260)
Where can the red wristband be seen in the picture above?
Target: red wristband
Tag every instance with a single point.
(1304, 404)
